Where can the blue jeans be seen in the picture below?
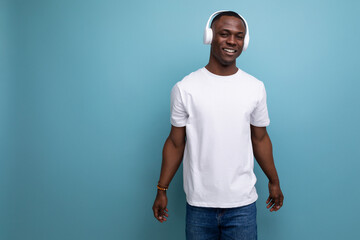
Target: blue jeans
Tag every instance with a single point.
(205, 223)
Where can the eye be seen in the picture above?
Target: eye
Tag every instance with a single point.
(240, 37)
(223, 34)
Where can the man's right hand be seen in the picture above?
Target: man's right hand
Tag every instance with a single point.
(159, 207)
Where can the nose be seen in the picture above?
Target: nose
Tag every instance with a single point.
(231, 40)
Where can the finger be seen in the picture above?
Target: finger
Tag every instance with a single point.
(268, 200)
(156, 213)
(165, 212)
(281, 201)
(163, 219)
(276, 206)
(270, 203)
(163, 215)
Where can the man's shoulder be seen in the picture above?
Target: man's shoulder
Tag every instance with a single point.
(193, 75)
(250, 78)
(190, 79)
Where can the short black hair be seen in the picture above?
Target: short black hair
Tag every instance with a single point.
(227, 13)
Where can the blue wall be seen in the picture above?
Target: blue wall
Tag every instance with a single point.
(85, 107)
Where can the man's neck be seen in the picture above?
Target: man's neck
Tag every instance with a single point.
(222, 70)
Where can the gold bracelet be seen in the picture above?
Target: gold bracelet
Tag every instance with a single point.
(161, 188)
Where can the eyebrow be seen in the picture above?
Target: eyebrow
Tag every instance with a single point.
(229, 31)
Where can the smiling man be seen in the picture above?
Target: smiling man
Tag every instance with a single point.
(219, 117)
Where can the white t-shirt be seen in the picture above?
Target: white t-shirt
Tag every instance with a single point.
(218, 159)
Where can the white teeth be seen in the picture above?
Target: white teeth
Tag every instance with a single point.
(229, 50)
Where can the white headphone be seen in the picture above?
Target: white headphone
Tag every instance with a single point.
(208, 33)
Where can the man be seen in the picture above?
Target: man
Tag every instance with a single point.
(219, 117)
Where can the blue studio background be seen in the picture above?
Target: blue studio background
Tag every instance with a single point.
(85, 108)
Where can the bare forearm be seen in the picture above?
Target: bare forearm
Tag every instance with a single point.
(264, 156)
(172, 157)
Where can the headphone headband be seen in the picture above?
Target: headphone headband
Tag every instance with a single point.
(212, 15)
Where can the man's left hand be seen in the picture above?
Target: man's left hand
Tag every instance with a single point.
(276, 198)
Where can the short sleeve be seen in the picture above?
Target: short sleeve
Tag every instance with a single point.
(178, 113)
(260, 117)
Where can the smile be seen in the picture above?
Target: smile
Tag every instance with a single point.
(229, 50)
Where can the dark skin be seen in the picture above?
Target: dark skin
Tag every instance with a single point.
(226, 46)
(228, 33)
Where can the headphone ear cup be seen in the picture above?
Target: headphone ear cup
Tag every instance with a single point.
(246, 42)
(208, 35)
